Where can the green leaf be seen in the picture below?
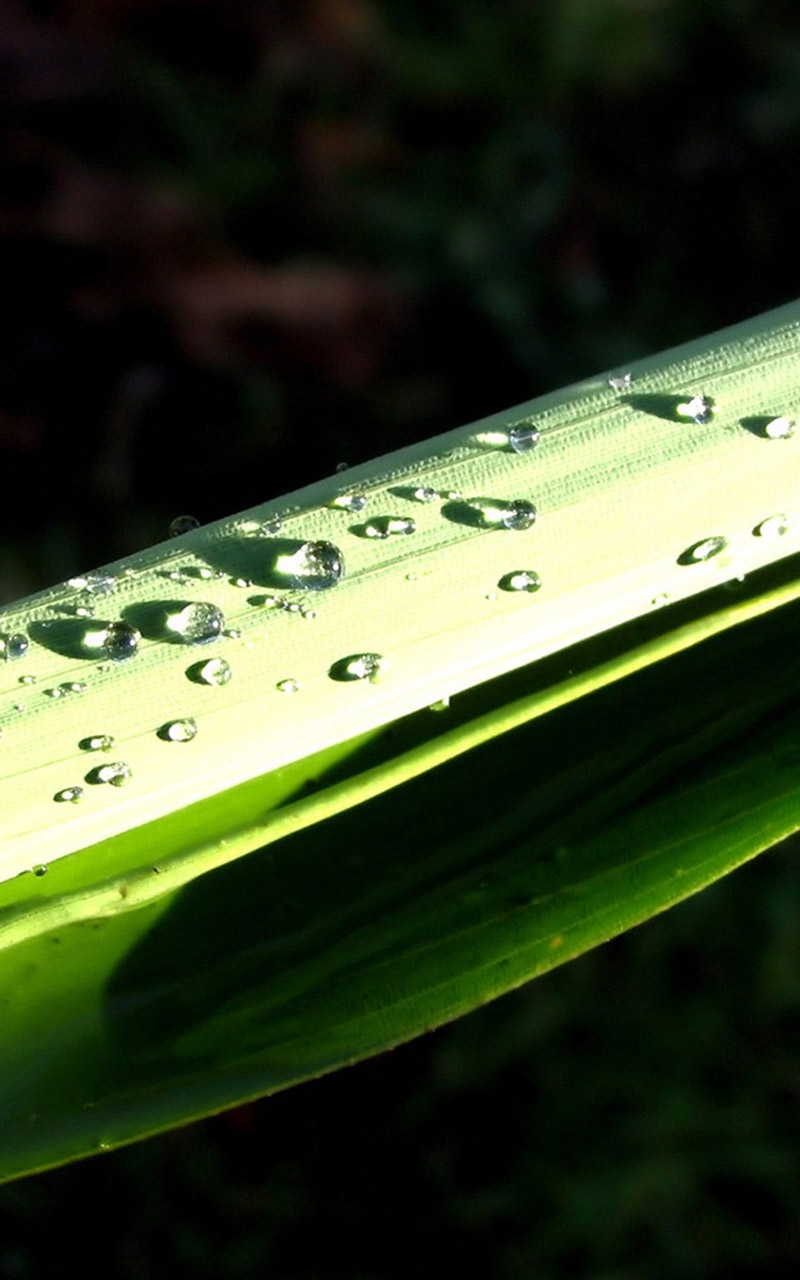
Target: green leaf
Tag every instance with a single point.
(400, 876)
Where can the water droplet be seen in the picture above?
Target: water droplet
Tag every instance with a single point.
(13, 645)
(178, 730)
(40, 869)
(97, 742)
(116, 773)
(424, 494)
(700, 409)
(520, 580)
(453, 495)
(54, 693)
(773, 527)
(442, 705)
(704, 550)
(73, 686)
(523, 438)
(242, 582)
(214, 671)
(620, 382)
(196, 623)
(354, 502)
(96, 584)
(313, 566)
(358, 666)
(779, 428)
(518, 515)
(341, 466)
(389, 526)
(660, 600)
(270, 528)
(68, 795)
(288, 686)
(115, 640)
(28, 679)
(183, 524)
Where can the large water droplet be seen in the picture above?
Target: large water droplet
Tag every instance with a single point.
(313, 566)
(214, 671)
(68, 795)
(178, 730)
(779, 428)
(13, 645)
(389, 527)
(358, 666)
(97, 742)
(518, 515)
(115, 640)
(700, 409)
(183, 524)
(520, 580)
(523, 438)
(704, 550)
(117, 774)
(773, 527)
(196, 623)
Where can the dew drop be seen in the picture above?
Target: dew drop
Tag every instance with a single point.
(518, 515)
(520, 580)
(116, 640)
(270, 528)
(779, 428)
(773, 527)
(68, 795)
(313, 566)
(358, 666)
(95, 584)
(659, 601)
(620, 382)
(389, 526)
(178, 730)
(117, 774)
(523, 438)
(13, 645)
(704, 550)
(196, 623)
(342, 466)
(28, 679)
(442, 705)
(242, 582)
(354, 502)
(97, 742)
(40, 869)
(700, 409)
(288, 686)
(423, 493)
(183, 524)
(214, 671)
(54, 693)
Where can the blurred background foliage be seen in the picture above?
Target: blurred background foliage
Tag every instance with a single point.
(242, 241)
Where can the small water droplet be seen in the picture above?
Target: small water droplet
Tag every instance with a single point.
(270, 528)
(73, 686)
(518, 515)
(97, 742)
(28, 679)
(660, 600)
(196, 623)
(704, 550)
(423, 493)
(40, 869)
(13, 645)
(242, 582)
(341, 466)
(288, 686)
(214, 671)
(354, 502)
(117, 774)
(116, 640)
(232, 633)
(54, 693)
(389, 526)
(442, 705)
(178, 730)
(358, 666)
(773, 527)
(620, 382)
(779, 428)
(96, 584)
(313, 566)
(700, 409)
(183, 524)
(453, 495)
(523, 438)
(307, 613)
(412, 577)
(520, 580)
(68, 795)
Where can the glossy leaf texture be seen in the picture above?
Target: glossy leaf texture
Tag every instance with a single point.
(373, 924)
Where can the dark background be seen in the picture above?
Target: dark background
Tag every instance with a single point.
(243, 242)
